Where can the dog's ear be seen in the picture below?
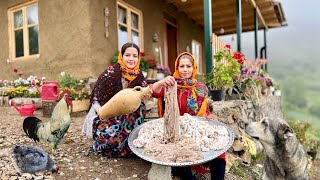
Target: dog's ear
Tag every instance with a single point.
(285, 131)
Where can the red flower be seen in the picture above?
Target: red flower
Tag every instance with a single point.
(241, 61)
(143, 54)
(150, 60)
(15, 70)
(227, 46)
(110, 68)
(237, 55)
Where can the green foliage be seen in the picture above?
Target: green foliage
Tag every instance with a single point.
(258, 157)
(225, 70)
(237, 170)
(67, 81)
(300, 128)
(75, 86)
(256, 173)
(115, 58)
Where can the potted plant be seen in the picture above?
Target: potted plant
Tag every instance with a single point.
(225, 70)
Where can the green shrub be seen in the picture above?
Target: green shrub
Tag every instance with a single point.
(237, 170)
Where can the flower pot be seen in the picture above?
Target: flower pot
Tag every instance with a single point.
(80, 105)
(277, 93)
(160, 76)
(217, 95)
(144, 74)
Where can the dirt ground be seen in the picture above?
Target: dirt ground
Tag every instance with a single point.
(74, 155)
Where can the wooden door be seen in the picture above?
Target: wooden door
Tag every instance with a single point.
(171, 32)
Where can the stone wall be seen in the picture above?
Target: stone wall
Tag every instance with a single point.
(236, 113)
(239, 112)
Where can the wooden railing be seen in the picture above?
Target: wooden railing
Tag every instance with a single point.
(218, 44)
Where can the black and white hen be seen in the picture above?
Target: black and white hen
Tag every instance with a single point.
(29, 159)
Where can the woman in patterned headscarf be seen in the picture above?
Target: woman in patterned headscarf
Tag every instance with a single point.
(111, 135)
(192, 99)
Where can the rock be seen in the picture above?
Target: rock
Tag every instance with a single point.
(229, 161)
(159, 172)
(235, 129)
(27, 175)
(38, 177)
(238, 145)
(14, 177)
(246, 157)
(230, 120)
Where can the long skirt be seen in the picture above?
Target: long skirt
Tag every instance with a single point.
(111, 135)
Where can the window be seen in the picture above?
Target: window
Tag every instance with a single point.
(196, 52)
(129, 25)
(23, 30)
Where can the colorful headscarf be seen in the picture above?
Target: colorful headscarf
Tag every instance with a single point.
(129, 74)
(190, 83)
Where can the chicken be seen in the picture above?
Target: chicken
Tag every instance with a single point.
(28, 159)
(53, 130)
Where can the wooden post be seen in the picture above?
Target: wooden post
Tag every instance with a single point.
(47, 108)
(6, 101)
(1, 100)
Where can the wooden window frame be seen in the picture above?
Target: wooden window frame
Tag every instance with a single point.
(200, 66)
(130, 9)
(12, 49)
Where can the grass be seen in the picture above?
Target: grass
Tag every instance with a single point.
(237, 170)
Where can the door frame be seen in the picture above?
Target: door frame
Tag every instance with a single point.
(165, 59)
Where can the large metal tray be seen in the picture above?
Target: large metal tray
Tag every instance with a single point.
(209, 155)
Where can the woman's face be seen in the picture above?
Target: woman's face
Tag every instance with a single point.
(130, 57)
(185, 68)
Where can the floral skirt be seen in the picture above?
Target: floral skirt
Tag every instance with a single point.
(111, 136)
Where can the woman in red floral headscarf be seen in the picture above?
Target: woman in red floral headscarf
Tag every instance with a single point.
(192, 99)
(111, 135)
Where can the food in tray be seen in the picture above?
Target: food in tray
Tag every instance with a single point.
(205, 136)
(176, 138)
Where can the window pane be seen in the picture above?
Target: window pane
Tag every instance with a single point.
(122, 36)
(135, 38)
(33, 40)
(18, 19)
(19, 43)
(122, 15)
(134, 20)
(32, 14)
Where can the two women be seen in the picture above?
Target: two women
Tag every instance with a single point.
(111, 135)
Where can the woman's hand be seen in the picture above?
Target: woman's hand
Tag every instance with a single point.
(212, 116)
(165, 82)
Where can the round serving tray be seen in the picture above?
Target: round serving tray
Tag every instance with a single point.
(207, 156)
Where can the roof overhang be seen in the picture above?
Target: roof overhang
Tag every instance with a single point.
(269, 12)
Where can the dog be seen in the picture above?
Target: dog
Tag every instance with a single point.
(285, 158)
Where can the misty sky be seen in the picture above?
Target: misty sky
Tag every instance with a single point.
(299, 40)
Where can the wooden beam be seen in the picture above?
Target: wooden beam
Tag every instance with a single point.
(253, 3)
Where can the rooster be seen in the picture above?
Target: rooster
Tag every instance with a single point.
(53, 130)
(28, 159)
